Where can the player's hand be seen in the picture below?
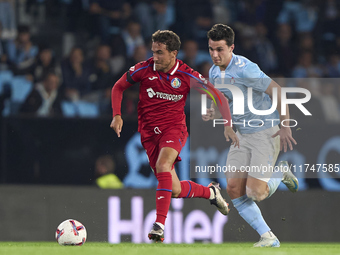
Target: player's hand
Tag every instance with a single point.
(230, 134)
(210, 115)
(117, 124)
(286, 138)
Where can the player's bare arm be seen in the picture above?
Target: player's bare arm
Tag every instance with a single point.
(116, 100)
(285, 133)
(117, 124)
(214, 113)
(229, 134)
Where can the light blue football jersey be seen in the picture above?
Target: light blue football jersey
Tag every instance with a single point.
(243, 73)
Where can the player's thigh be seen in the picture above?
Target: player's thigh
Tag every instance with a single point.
(264, 153)
(151, 150)
(166, 159)
(170, 146)
(238, 159)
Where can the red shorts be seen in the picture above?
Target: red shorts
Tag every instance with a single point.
(154, 141)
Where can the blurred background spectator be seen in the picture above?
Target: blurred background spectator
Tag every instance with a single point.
(154, 15)
(44, 63)
(192, 56)
(285, 49)
(44, 100)
(90, 44)
(3, 55)
(109, 16)
(21, 51)
(306, 66)
(76, 75)
(104, 173)
(8, 19)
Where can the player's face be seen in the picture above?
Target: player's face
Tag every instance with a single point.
(164, 59)
(220, 53)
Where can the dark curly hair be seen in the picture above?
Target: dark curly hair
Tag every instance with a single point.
(222, 32)
(167, 37)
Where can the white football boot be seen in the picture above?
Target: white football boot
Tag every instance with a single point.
(218, 200)
(268, 242)
(289, 178)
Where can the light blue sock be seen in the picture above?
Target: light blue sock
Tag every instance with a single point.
(274, 182)
(251, 213)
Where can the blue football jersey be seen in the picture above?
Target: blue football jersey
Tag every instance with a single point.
(243, 73)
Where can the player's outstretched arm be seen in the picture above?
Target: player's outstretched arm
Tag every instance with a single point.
(212, 113)
(229, 133)
(116, 101)
(205, 87)
(285, 133)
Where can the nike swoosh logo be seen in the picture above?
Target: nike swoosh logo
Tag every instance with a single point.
(152, 78)
(295, 185)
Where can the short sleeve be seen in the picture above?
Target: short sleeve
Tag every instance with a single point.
(255, 78)
(136, 72)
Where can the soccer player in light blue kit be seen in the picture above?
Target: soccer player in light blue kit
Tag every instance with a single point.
(260, 142)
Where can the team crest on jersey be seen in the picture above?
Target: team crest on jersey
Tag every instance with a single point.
(232, 81)
(175, 83)
(132, 68)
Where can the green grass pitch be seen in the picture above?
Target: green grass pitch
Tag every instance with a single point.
(48, 248)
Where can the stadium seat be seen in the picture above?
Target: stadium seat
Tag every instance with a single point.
(86, 109)
(20, 89)
(5, 77)
(7, 108)
(69, 109)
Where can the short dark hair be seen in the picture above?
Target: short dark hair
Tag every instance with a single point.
(49, 73)
(167, 37)
(222, 32)
(23, 29)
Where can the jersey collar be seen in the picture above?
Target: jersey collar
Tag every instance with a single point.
(172, 70)
(231, 60)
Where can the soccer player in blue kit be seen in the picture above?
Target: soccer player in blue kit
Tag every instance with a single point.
(259, 143)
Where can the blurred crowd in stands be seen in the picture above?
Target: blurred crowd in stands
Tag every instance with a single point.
(62, 57)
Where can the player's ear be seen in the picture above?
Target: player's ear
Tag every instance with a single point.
(174, 53)
(232, 47)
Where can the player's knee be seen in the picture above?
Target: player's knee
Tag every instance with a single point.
(163, 166)
(256, 194)
(176, 191)
(233, 190)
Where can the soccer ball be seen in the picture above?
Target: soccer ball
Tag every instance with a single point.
(71, 232)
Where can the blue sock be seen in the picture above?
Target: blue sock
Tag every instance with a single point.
(274, 182)
(251, 213)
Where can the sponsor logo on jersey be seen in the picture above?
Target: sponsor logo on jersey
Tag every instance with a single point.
(157, 132)
(152, 78)
(151, 93)
(240, 63)
(162, 95)
(175, 83)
